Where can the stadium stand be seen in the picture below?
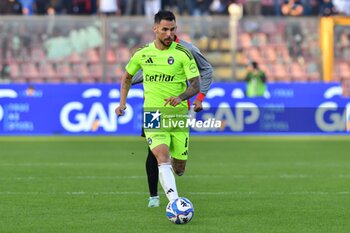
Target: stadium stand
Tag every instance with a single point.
(89, 49)
(47, 71)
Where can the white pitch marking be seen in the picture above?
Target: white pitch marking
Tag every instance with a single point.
(60, 164)
(82, 193)
(88, 177)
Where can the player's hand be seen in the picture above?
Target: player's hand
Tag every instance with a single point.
(120, 110)
(197, 105)
(173, 101)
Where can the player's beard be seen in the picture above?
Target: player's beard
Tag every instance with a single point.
(167, 42)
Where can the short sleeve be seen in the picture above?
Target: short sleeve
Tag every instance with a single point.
(134, 64)
(190, 68)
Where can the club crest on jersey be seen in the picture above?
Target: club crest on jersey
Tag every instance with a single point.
(170, 60)
(193, 68)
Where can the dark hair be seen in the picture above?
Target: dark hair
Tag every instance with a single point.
(254, 64)
(164, 15)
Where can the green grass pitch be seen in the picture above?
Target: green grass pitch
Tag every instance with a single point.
(237, 184)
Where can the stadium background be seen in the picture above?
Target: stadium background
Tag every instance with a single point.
(64, 59)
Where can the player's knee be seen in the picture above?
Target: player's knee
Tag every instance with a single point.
(178, 166)
(179, 171)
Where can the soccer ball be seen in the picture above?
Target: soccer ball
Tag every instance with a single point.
(180, 211)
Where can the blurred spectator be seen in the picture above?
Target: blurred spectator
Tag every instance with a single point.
(75, 7)
(109, 7)
(41, 6)
(327, 8)
(10, 7)
(133, 6)
(201, 7)
(217, 7)
(268, 7)
(80, 7)
(342, 39)
(192, 7)
(94, 6)
(292, 8)
(294, 33)
(345, 84)
(152, 7)
(256, 80)
(59, 6)
(27, 6)
(252, 7)
(168, 4)
(30, 91)
(50, 7)
(295, 40)
(314, 4)
(186, 6)
(342, 6)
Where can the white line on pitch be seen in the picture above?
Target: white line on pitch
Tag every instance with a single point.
(28, 178)
(61, 164)
(83, 193)
(281, 176)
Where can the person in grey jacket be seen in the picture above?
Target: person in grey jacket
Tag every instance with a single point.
(206, 71)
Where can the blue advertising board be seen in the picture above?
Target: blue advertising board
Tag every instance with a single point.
(88, 109)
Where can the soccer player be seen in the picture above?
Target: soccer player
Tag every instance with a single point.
(205, 70)
(167, 66)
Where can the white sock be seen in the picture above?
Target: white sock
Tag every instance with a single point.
(167, 180)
